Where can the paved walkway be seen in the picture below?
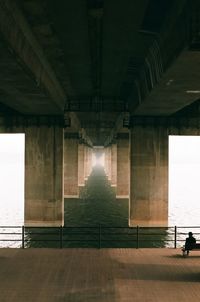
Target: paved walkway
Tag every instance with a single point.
(92, 275)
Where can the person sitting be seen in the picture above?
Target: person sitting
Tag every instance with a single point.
(190, 242)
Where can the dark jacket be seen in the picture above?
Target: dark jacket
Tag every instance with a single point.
(190, 243)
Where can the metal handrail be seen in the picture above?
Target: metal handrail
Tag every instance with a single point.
(101, 234)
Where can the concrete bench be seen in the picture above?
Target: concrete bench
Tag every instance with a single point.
(195, 248)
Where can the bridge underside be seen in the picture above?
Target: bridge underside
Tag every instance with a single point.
(58, 164)
(77, 76)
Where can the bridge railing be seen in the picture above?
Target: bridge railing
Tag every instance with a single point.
(95, 236)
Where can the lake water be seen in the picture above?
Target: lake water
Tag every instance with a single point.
(98, 207)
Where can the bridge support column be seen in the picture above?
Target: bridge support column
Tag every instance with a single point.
(43, 176)
(81, 181)
(44, 204)
(71, 165)
(87, 162)
(114, 165)
(108, 162)
(123, 165)
(149, 176)
(90, 160)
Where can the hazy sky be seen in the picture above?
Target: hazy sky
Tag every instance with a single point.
(184, 176)
(184, 149)
(12, 177)
(184, 180)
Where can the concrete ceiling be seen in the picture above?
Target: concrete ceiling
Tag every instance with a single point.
(99, 58)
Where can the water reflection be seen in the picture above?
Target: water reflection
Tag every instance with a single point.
(42, 237)
(96, 237)
(96, 219)
(97, 204)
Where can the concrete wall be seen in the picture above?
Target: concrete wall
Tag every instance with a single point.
(149, 166)
(109, 163)
(147, 161)
(71, 165)
(106, 160)
(44, 176)
(123, 165)
(149, 176)
(44, 204)
(87, 162)
(114, 165)
(107, 166)
(81, 165)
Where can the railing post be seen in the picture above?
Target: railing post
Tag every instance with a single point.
(175, 236)
(99, 236)
(23, 236)
(137, 238)
(61, 237)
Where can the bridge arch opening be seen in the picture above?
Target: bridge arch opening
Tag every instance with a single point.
(12, 155)
(98, 157)
(184, 175)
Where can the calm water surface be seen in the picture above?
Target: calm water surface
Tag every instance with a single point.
(97, 204)
(99, 208)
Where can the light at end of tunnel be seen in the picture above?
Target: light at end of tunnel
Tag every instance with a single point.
(98, 160)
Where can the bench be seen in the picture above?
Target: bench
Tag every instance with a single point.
(195, 248)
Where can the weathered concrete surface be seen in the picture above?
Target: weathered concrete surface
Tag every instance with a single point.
(106, 275)
(44, 203)
(44, 175)
(25, 47)
(123, 165)
(108, 162)
(90, 159)
(87, 161)
(81, 165)
(71, 165)
(114, 165)
(149, 176)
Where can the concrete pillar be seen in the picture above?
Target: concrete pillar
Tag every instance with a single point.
(44, 204)
(44, 176)
(123, 165)
(81, 181)
(71, 165)
(149, 176)
(89, 161)
(86, 162)
(106, 161)
(91, 157)
(114, 165)
(107, 166)
(109, 163)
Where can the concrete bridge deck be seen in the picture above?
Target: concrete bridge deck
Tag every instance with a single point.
(106, 275)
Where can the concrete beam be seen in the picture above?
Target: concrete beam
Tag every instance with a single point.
(117, 128)
(18, 35)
